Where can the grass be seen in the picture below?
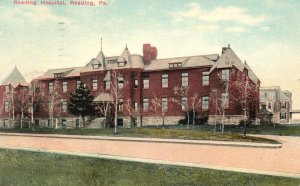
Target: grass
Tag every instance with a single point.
(150, 133)
(36, 168)
(282, 130)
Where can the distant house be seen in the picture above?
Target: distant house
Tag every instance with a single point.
(9, 89)
(278, 102)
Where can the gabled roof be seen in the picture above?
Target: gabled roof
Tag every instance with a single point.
(15, 78)
(67, 72)
(229, 59)
(189, 61)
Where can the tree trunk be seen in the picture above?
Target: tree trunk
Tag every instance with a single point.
(194, 115)
(22, 117)
(188, 120)
(31, 116)
(116, 120)
(163, 117)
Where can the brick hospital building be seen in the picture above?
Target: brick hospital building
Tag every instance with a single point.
(153, 87)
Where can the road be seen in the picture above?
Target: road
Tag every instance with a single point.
(284, 160)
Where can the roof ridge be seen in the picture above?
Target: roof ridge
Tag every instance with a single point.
(185, 57)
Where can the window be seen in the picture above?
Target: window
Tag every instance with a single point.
(63, 122)
(78, 83)
(205, 102)
(135, 106)
(184, 79)
(164, 80)
(135, 83)
(77, 121)
(120, 83)
(37, 122)
(224, 100)
(58, 75)
(7, 88)
(184, 103)
(164, 104)
(64, 106)
(106, 85)
(282, 115)
(263, 95)
(205, 78)
(146, 82)
(175, 65)
(5, 122)
(50, 87)
(96, 66)
(269, 105)
(225, 74)
(145, 104)
(283, 105)
(120, 122)
(111, 61)
(263, 106)
(121, 64)
(6, 106)
(120, 105)
(94, 84)
(65, 86)
(49, 123)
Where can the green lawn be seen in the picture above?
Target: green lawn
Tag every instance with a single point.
(283, 130)
(35, 168)
(149, 132)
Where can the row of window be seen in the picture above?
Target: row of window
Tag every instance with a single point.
(283, 105)
(164, 81)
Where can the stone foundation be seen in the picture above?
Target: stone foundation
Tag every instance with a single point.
(228, 119)
(157, 120)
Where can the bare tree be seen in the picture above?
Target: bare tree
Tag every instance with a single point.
(225, 81)
(104, 108)
(117, 83)
(133, 110)
(54, 100)
(245, 92)
(36, 92)
(22, 102)
(215, 98)
(159, 106)
(195, 103)
(183, 101)
(10, 98)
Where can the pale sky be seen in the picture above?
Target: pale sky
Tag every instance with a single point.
(263, 32)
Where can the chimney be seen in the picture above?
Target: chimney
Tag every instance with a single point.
(149, 53)
(225, 48)
(153, 53)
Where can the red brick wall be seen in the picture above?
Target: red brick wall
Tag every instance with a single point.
(155, 87)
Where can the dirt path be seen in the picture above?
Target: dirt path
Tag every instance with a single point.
(285, 159)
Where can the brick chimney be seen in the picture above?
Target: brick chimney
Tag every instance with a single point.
(149, 53)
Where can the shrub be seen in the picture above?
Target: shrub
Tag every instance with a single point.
(199, 120)
(249, 123)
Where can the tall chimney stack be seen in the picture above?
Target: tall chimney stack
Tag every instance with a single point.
(149, 53)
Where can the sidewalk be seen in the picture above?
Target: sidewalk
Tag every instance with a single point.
(153, 140)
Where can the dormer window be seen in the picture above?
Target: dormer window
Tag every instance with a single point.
(7, 88)
(111, 61)
(58, 75)
(175, 65)
(121, 64)
(96, 66)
